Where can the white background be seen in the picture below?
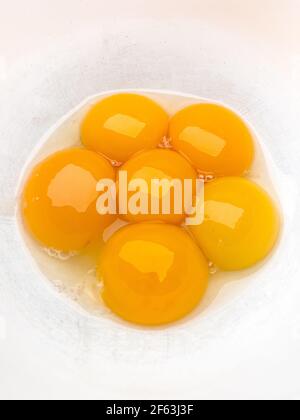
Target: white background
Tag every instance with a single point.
(55, 53)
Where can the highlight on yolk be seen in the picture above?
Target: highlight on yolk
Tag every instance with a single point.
(214, 138)
(241, 224)
(59, 199)
(158, 165)
(153, 274)
(123, 124)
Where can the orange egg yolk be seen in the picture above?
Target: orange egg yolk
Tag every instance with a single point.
(214, 139)
(123, 124)
(59, 199)
(153, 274)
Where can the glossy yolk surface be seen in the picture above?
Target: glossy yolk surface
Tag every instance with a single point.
(59, 199)
(124, 124)
(241, 224)
(157, 165)
(153, 274)
(215, 139)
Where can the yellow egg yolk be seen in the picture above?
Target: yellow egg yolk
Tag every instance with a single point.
(162, 166)
(123, 124)
(214, 138)
(59, 199)
(153, 274)
(241, 224)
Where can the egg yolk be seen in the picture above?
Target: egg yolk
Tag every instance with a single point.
(123, 124)
(214, 138)
(157, 166)
(59, 199)
(153, 274)
(241, 224)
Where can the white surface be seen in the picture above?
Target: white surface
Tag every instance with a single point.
(52, 56)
